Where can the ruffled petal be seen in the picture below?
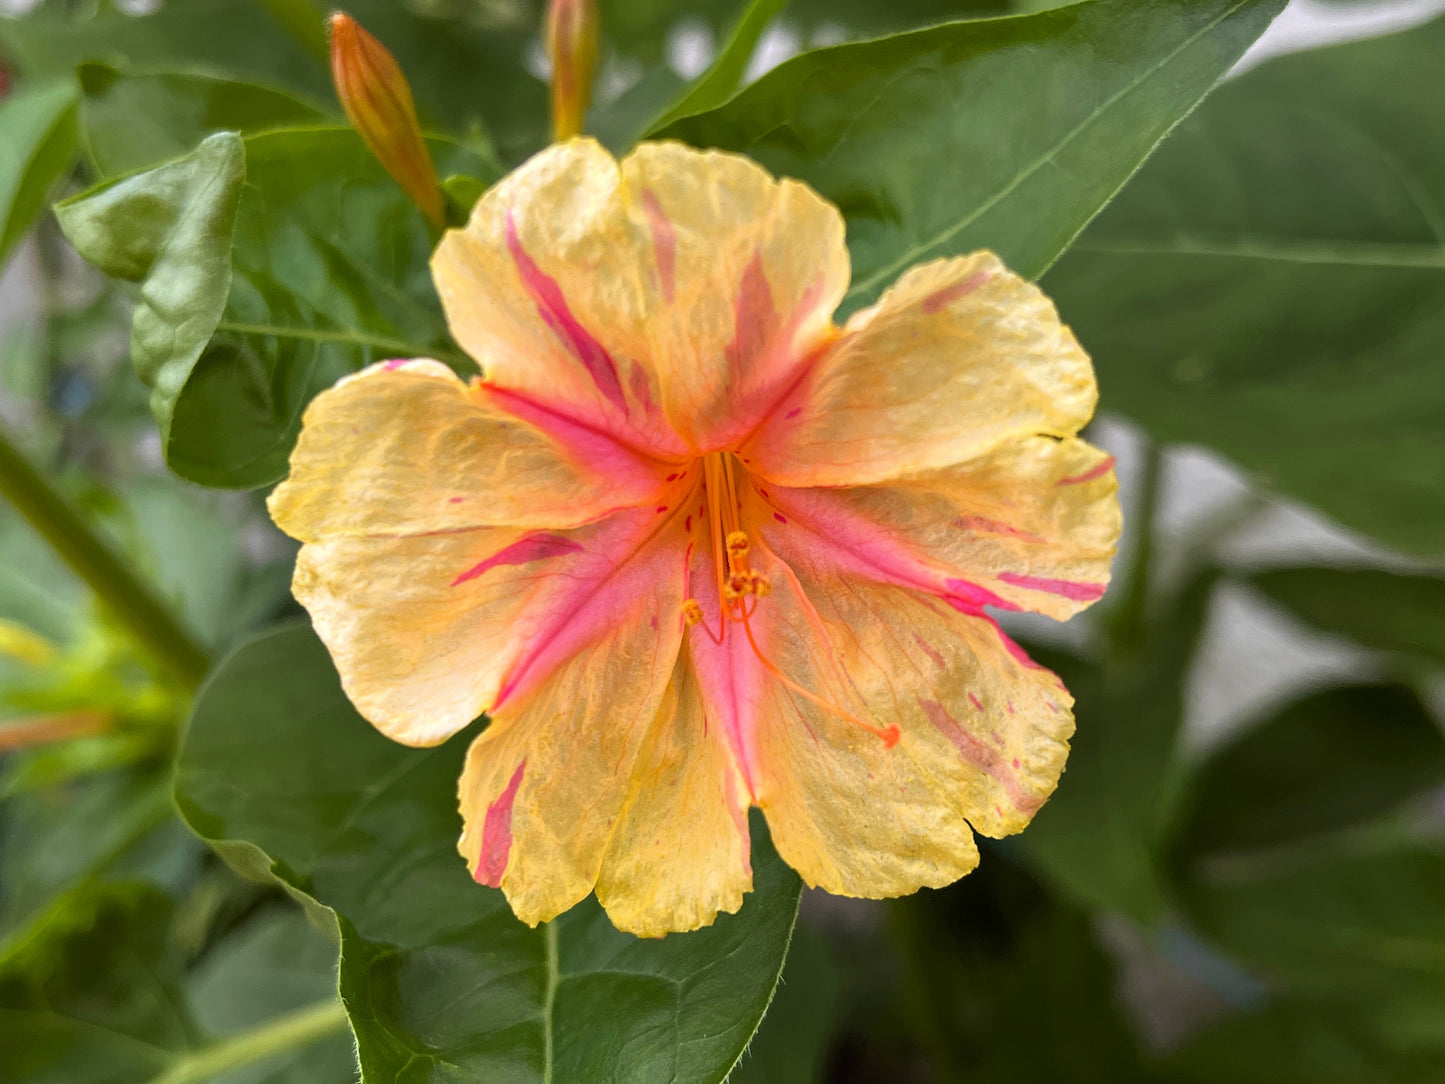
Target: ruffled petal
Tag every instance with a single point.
(547, 785)
(681, 851)
(1030, 525)
(407, 448)
(667, 300)
(982, 732)
(958, 357)
(430, 631)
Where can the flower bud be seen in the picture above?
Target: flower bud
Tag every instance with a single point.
(378, 102)
(572, 32)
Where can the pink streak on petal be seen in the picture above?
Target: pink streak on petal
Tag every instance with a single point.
(983, 525)
(967, 597)
(537, 546)
(928, 650)
(780, 517)
(790, 415)
(556, 314)
(455, 500)
(755, 317)
(497, 834)
(394, 364)
(1070, 589)
(1089, 475)
(945, 297)
(1020, 656)
(975, 701)
(664, 241)
(980, 756)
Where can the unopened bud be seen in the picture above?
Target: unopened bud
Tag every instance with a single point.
(378, 102)
(572, 32)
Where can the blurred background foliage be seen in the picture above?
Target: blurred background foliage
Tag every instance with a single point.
(1256, 897)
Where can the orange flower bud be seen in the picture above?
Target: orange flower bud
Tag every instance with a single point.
(378, 102)
(572, 32)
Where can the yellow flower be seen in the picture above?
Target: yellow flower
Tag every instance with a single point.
(693, 548)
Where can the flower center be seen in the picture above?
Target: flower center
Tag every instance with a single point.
(740, 587)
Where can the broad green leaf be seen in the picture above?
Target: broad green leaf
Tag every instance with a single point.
(1005, 133)
(1272, 285)
(804, 1018)
(95, 995)
(133, 120)
(1332, 759)
(1098, 837)
(1385, 610)
(37, 146)
(440, 980)
(257, 295)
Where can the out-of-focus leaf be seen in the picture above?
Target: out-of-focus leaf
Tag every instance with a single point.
(1335, 758)
(717, 84)
(36, 590)
(1005, 133)
(792, 1045)
(466, 62)
(1385, 610)
(256, 296)
(1273, 283)
(95, 994)
(276, 963)
(1303, 1042)
(1098, 837)
(37, 134)
(1006, 984)
(133, 120)
(1355, 917)
(439, 978)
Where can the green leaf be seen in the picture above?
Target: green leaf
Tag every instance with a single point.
(1006, 983)
(1004, 133)
(804, 1018)
(130, 121)
(1099, 836)
(277, 963)
(1384, 610)
(1272, 285)
(1330, 760)
(717, 84)
(95, 995)
(257, 295)
(440, 980)
(37, 130)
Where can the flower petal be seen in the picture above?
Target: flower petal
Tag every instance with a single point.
(1029, 525)
(547, 784)
(667, 300)
(958, 357)
(405, 447)
(430, 631)
(983, 733)
(681, 851)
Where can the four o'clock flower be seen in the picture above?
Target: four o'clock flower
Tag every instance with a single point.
(694, 548)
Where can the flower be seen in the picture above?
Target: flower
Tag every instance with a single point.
(693, 548)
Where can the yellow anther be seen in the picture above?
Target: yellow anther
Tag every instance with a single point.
(761, 587)
(691, 612)
(738, 544)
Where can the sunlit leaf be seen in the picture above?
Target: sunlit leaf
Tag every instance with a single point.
(37, 132)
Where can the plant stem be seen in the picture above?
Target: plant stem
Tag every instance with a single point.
(288, 1032)
(92, 559)
(1126, 623)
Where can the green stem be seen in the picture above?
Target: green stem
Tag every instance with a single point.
(95, 562)
(289, 1032)
(1126, 624)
